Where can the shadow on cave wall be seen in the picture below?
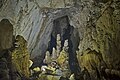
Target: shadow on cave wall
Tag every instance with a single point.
(66, 31)
(6, 34)
(6, 41)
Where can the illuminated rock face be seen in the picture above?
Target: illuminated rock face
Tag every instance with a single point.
(95, 22)
(100, 33)
(20, 57)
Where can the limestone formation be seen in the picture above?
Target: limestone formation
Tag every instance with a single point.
(86, 75)
(58, 46)
(65, 47)
(6, 34)
(66, 43)
(59, 72)
(54, 54)
(91, 61)
(30, 63)
(36, 69)
(43, 69)
(20, 57)
(72, 77)
(63, 57)
(96, 21)
(47, 57)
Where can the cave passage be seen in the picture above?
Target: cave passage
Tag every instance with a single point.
(59, 27)
(52, 44)
(66, 31)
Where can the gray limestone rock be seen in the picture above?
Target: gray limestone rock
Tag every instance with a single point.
(97, 23)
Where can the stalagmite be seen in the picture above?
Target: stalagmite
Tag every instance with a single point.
(66, 43)
(54, 54)
(58, 45)
(63, 57)
(65, 47)
(47, 57)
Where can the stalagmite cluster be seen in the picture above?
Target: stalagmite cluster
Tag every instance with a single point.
(57, 65)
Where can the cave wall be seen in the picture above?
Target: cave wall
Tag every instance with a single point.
(97, 23)
(20, 59)
(6, 40)
(34, 21)
(99, 29)
(14, 56)
(6, 34)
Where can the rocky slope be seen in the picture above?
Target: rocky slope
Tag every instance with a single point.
(91, 26)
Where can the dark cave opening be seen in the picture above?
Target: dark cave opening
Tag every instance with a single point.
(52, 44)
(66, 31)
(73, 41)
(60, 26)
